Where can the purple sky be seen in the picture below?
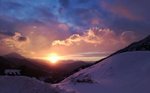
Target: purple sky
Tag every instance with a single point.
(74, 29)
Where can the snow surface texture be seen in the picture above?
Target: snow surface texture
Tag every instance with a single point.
(122, 73)
(20, 84)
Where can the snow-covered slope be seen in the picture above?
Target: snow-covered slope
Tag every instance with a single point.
(14, 84)
(127, 72)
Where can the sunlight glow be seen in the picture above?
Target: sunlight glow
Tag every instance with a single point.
(53, 58)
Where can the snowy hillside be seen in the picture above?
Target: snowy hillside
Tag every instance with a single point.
(122, 73)
(20, 84)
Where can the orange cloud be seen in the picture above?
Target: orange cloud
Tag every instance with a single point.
(95, 40)
(15, 43)
(40, 41)
(41, 37)
(63, 27)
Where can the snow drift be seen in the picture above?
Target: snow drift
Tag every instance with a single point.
(127, 72)
(20, 84)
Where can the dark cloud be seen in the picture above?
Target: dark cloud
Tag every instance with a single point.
(22, 39)
(119, 25)
(8, 25)
(83, 1)
(10, 5)
(121, 11)
(127, 15)
(64, 3)
(115, 14)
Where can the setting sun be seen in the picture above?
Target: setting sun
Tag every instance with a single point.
(53, 58)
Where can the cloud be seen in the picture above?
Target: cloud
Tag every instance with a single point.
(39, 24)
(128, 36)
(91, 37)
(92, 54)
(63, 27)
(87, 56)
(96, 40)
(15, 43)
(22, 39)
(28, 38)
(121, 10)
(117, 15)
(64, 3)
(77, 13)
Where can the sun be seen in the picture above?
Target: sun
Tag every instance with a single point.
(53, 58)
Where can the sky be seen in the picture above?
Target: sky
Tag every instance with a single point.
(73, 29)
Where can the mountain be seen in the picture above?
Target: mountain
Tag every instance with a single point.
(26, 67)
(60, 71)
(126, 72)
(14, 55)
(142, 45)
(39, 69)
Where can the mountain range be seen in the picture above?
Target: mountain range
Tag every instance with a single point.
(40, 69)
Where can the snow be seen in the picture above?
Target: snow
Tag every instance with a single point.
(122, 73)
(20, 84)
(127, 72)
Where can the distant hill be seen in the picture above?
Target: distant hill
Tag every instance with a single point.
(14, 55)
(39, 69)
